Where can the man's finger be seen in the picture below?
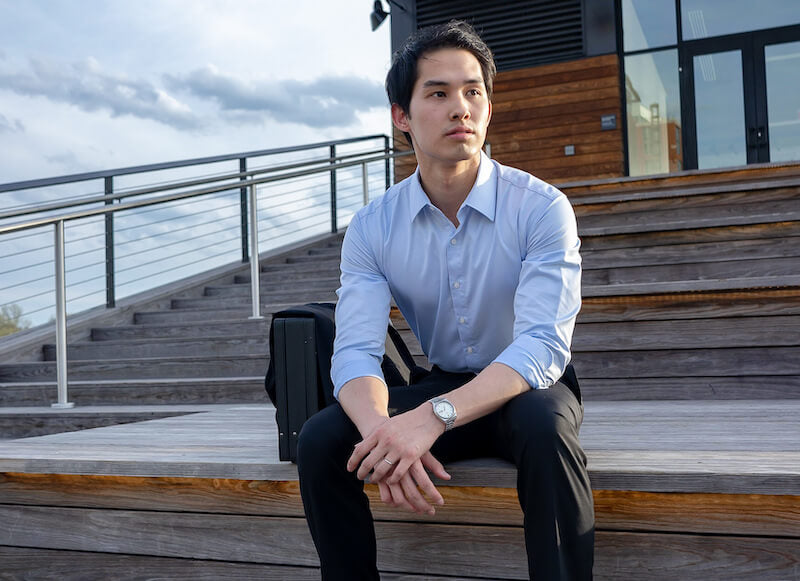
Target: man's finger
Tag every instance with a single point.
(359, 453)
(414, 497)
(381, 471)
(386, 494)
(431, 463)
(399, 497)
(424, 482)
(370, 462)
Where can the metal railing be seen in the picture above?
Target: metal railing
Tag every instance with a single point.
(342, 197)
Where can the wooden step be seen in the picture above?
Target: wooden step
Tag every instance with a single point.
(269, 300)
(272, 288)
(163, 347)
(697, 387)
(697, 253)
(689, 218)
(725, 234)
(698, 271)
(194, 390)
(28, 422)
(202, 328)
(148, 368)
(242, 310)
(687, 306)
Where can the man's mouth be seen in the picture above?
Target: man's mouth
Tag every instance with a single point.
(460, 131)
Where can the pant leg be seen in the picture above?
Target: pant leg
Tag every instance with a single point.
(337, 510)
(538, 432)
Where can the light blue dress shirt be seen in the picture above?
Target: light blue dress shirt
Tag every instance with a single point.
(502, 287)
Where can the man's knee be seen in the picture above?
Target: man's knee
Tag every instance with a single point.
(325, 436)
(542, 419)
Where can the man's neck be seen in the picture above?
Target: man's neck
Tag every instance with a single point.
(447, 186)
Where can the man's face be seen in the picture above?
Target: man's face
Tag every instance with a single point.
(449, 110)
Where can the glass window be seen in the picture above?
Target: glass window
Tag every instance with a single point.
(653, 110)
(704, 18)
(648, 24)
(783, 103)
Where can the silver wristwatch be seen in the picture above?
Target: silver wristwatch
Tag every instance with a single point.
(444, 409)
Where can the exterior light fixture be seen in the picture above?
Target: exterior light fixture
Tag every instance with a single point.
(379, 14)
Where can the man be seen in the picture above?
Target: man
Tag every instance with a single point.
(482, 260)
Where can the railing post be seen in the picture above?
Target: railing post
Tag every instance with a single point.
(109, 218)
(61, 320)
(365, 182)
(243, 209)
(255, 267)
(334, 226)
(387, 170)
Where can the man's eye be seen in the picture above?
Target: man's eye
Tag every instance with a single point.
(438, 94)
(474, 92)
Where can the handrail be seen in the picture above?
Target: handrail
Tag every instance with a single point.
(246, 182)
(83, 177)
(171, 186)
(39, 222)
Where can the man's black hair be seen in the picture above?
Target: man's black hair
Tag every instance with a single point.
(454, 34)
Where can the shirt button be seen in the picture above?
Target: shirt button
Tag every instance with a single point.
(453, 242)
(456, 284)
(462, 320)
(470, 349)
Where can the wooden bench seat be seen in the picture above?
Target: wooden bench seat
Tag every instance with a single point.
(678, 491)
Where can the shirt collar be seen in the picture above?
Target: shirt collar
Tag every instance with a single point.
(482, 197)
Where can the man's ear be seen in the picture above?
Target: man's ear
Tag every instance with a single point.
(400, 118)
(490, 114)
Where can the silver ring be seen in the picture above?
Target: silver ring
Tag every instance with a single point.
(390, 463)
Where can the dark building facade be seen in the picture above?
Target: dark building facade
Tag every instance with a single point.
(608, 88)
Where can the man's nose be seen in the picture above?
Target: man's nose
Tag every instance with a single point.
(460, 109)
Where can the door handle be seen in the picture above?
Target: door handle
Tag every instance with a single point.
(757, 136)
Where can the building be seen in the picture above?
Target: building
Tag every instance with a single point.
(610, 88)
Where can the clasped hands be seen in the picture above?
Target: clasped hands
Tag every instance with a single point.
(395, 455)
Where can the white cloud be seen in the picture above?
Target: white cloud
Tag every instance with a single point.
(85, 85)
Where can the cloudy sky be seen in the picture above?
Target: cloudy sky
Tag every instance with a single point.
(91, 84)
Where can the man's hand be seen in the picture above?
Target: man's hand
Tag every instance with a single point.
(396, 453)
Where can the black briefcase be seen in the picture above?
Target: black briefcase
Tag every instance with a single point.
(298, 378)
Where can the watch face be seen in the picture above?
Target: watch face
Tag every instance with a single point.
(444, 409)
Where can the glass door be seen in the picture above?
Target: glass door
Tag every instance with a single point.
(741, 99)
(782, 71)
(719, 109)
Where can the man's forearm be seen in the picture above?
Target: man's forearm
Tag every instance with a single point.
(489, 391)
(365, 400)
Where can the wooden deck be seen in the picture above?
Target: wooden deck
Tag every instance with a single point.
(683, 490)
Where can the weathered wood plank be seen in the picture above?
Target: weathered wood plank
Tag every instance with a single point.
(698, 252)
(700, 305)
(458, 550)
(766, 515)
(637, 557)
(204, 445)
(733, 362)
(618, 555)
(24, 564)
(694, 387)
(723, 234)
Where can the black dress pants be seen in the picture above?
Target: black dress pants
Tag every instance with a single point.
(537, 431)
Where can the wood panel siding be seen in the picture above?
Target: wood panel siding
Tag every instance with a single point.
(539, 111)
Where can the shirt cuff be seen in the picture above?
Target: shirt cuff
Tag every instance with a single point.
(534, 361)
(344, 371)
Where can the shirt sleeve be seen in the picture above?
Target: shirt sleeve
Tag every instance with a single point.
(548, 296)
(362, 312)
